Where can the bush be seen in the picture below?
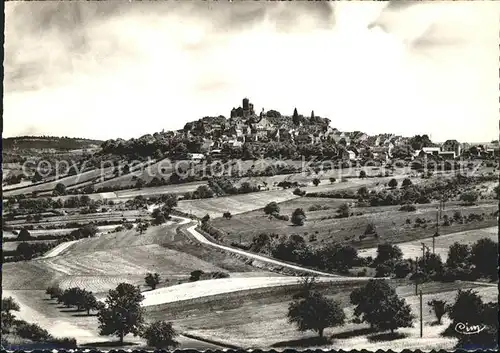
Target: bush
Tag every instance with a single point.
(298, 217)
(299, 192)
(271, 208)
(282, 217)
(344, 210)
(408, 208)
(361, 273)
(382, 270)
(65, 342)
(469, 197)
(32, 332)
(402, 269)
(227, 215)
(370, 229)
(195, 275)
(407, 183)
(160, 335)
(220, 275)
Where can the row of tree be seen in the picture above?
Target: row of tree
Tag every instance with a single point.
(121, 313)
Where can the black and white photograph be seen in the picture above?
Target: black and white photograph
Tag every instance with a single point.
(239, 175)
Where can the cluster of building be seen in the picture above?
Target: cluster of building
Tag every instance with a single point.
(246, 126)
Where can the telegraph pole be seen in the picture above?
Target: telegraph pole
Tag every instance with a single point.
(416, 279)
(421, 317)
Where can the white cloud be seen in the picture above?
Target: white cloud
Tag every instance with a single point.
(141, 71)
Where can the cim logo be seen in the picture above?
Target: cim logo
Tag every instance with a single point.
(465, 329)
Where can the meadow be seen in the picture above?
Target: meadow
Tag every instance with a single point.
(391, 224)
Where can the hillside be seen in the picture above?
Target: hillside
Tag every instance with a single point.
(47, 142)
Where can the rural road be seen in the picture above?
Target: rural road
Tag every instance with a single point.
(192, 230)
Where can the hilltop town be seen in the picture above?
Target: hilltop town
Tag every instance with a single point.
(228, 232)
(246, 134)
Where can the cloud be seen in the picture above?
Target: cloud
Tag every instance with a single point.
(97, 69)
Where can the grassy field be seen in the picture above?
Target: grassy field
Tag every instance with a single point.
(99, 264)
(68, 181)
(146, 174)
(389, 221)
(12, 245)
(160, 190)
(235, 204)
(83, 218)
(61, 322)
(123, 256)
(259, 320)
(412, 249)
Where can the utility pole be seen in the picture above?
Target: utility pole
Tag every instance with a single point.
(421, 317)
(416, 277)
(438, 216)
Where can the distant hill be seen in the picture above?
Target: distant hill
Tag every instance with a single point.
(48, 142)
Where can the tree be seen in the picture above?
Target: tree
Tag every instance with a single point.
(316, 181)
(9, 304)
(363, 191)
(139, 184)
(344, 210)
(159, 218)
(469, 197)
(89, 230)
(152, 280)
(205, 219)
(54, 292)
(362, 174)
(379, 305)
(89, 302)
(23, 235)
(431, 264)
(339, 257)
(484, 256)
(272, 208)
(227, 215)
(298, 217)
(25, 250)
(160, 335)
(466, 309)
(204, 192)
(439, 307)
(142, 227)
(7, 318)
(459, 255)
(295, 117)
(122, 313)
(195, 275)
(382, 270)
(315, 312)
(371, 229)
(393, 183)
(169, 201)
(60, 189)
(388, 253)
(402, 269)
(406, 183)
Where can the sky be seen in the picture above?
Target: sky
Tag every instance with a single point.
(109, 69)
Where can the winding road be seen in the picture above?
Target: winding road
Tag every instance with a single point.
(202, 239)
